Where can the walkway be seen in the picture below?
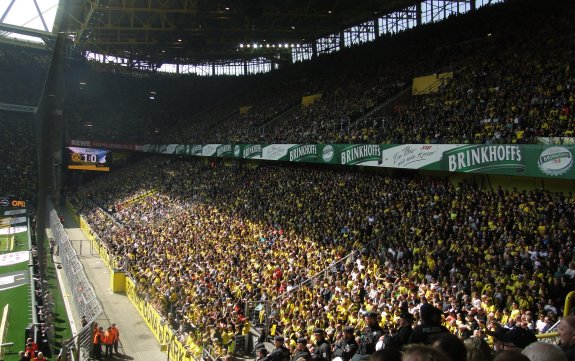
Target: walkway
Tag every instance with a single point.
(137, 341)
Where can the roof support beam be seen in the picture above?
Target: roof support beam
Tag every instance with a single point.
(41, 16)
(7, 11)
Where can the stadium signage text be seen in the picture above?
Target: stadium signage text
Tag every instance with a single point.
(95, 144)
(252, 150)
(18, 108)
(18, 203)
(196, 149)
(411, 154)
(301, 152)
(158, 327)
(507, 159)
(555, 161)
(477, 158)
(223, 150)
(361, 153)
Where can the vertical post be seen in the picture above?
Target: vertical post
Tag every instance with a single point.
(418, 13)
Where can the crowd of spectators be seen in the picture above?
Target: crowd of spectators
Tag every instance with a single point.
(510, 91)
(118, 107)
(505, 88)
(18, 175)
(324, 247)
(23, 72)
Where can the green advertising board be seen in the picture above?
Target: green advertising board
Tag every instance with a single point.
(509, 159)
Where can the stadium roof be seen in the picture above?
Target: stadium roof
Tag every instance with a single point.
(198, 30)
(28, 21)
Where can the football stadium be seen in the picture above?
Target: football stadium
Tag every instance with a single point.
(296, 180)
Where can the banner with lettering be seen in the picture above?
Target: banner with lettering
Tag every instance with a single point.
(530, 160)
(107, 145)
(177, 351)
(18, 108)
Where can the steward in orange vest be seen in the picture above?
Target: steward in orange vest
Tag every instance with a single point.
(98, 340)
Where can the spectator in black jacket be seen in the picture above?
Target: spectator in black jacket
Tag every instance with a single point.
(280, 353)
(430, 324)
(401, 337)
(345, 348)
(301, 351)
(322, 348)
(370, 336)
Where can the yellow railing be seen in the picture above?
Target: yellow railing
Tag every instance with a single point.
(568, 301)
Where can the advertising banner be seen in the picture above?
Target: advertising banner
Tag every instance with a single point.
(530, 160)
(159, 327)
(18, 108)
(95, 144)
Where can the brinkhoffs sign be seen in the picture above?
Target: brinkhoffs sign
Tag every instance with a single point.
(554, 161)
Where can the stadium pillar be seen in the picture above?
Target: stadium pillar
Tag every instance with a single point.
(48, 139)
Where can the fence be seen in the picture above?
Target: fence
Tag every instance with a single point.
(83, 294)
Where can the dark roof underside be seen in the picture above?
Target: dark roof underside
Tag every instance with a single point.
(198, 30)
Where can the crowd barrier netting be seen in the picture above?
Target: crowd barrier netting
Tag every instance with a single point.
(83, 294)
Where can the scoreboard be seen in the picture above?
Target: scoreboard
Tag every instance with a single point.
(88, 159)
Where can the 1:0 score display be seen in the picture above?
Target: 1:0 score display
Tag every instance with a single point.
(88, 159)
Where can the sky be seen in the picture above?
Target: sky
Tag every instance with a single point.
(24, 13)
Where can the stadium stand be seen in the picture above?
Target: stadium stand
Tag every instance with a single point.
(23, 72)
(505, 88)
(225, 236)
(320, 248)
(18, 176)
